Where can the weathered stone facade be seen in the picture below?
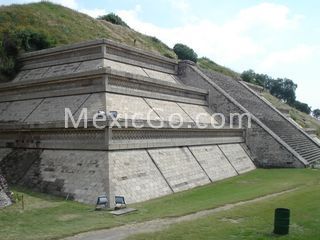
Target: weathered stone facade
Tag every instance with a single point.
(5, 199)
(298, 140)
(267, 149)
(36, 150)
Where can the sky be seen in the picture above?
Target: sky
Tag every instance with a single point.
(278, 38)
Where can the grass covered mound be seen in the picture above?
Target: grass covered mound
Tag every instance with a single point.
(67, 26)
(48, 25)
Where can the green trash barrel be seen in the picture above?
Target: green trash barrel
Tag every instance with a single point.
(281, 221)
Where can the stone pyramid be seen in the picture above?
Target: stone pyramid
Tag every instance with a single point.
(139, 163)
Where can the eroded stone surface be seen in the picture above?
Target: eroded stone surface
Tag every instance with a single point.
(33, 74)
(213, 162)
(60, 70)
(168, 111)
(95, 102)
(90, 65)
(4, 152)
(3, 106)
(238, 157)
(160, 75)
(129, 107)
(19, 110)
(53, 109)
(179, 167)
(135, 176)
(4, 193)
(200, 114)
(118, 66)
(79, 175)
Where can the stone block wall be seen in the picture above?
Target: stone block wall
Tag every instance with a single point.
(213, 161)
(179, 168)
(267, 149)
(138, 175)
(135, 176)
(288, 131)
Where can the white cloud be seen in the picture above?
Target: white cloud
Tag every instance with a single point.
(245, 41)
(298, 54)
(227, 42)
(180, 5)
(299, 63)
(267, 15)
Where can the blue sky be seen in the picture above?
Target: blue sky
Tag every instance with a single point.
(279, 38)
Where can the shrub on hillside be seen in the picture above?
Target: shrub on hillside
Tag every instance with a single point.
(316, 113)
(32, 41)
(114, 19)
(9, 51)
(303, 107)
(13, 43)
(185, 53)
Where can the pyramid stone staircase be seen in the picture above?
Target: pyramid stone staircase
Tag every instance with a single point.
(295, 137)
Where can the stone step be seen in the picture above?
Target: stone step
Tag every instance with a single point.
(295, 137)
(306, 151)
(268, 115)
(308, 155)
(314, 158)
(303, 145)
(311, 151)
(299, 142)
(292, 140)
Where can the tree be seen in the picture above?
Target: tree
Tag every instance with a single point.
(289, 91)
(185, 53)
(260, 79)
(114, 19)
(284, 89)
(316, 113)
(303, 107)
(248, 76)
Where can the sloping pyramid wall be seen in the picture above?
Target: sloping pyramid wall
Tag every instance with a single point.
(139, 163)
(296, 138)
(267, 148)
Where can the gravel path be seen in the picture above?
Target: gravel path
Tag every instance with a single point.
(125, 231)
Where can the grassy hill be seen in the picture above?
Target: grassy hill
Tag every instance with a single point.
(208, 64)
(67, 26)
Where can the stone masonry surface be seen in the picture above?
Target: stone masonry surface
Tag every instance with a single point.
(213, 161)
(135, 176)
(269, 116)
(179, 167)
(266, 148)
(237, 157)
(140, 164)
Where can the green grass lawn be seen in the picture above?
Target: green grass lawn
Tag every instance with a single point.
(254, 221)
(47, 217)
